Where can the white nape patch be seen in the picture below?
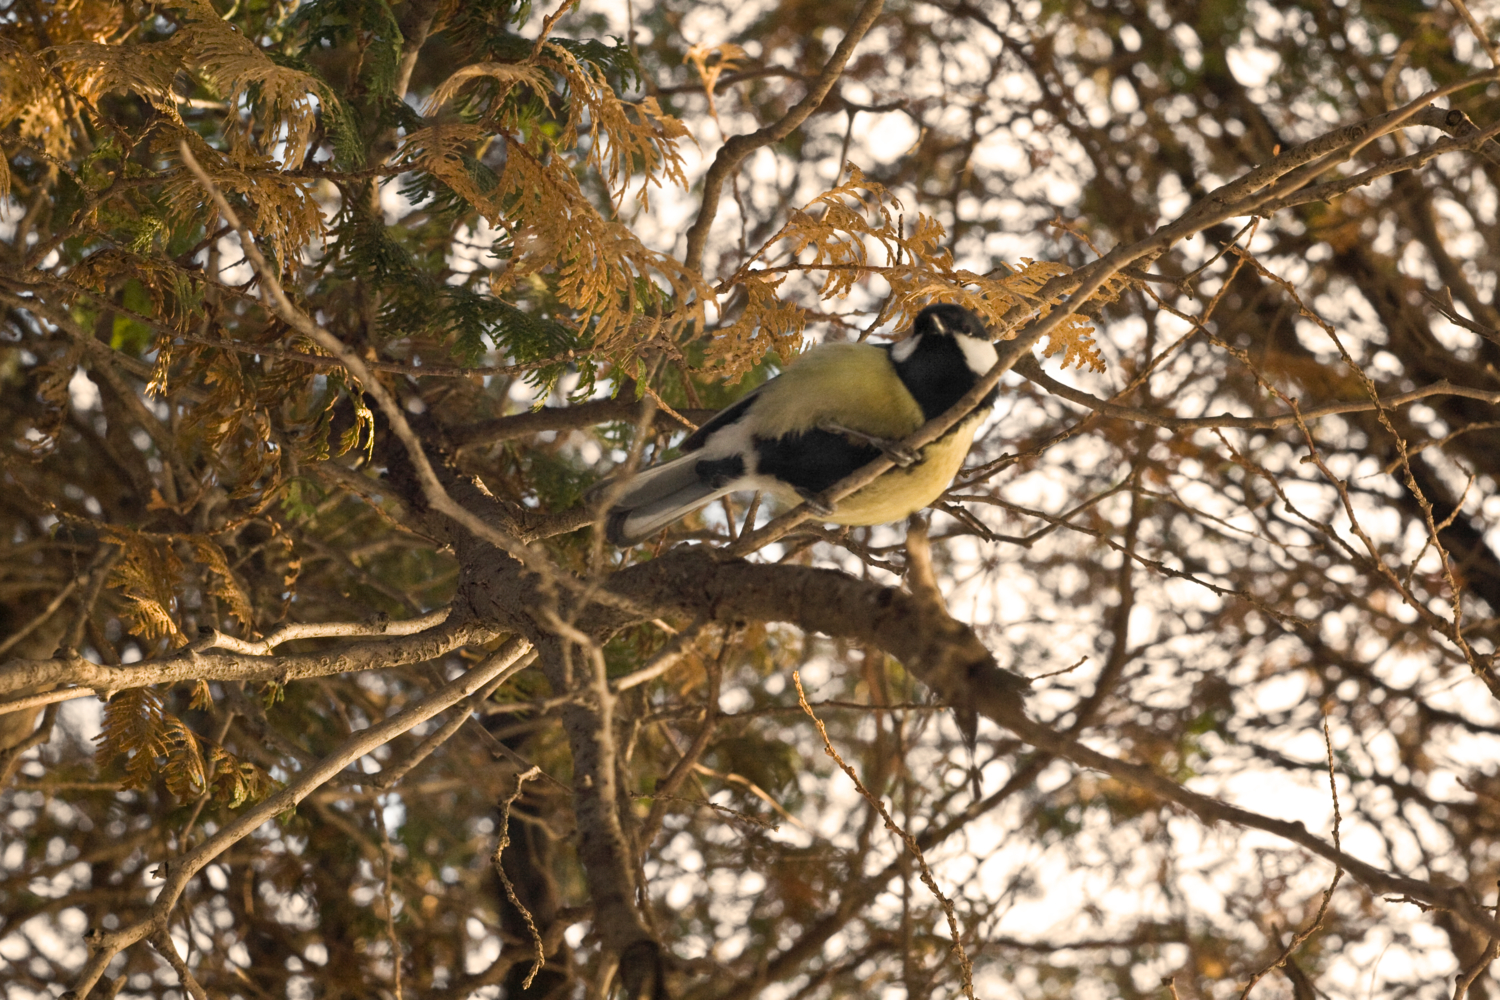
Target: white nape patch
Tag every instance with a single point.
(979, 355)
(905, 349)
(933, 319)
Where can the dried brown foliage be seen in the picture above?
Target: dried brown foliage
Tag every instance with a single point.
(262, 263)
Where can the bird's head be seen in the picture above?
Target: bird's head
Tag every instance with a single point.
(948, 321)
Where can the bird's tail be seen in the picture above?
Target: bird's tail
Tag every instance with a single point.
(654, 498)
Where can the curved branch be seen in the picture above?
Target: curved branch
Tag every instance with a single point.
(733, 152)
(320, 630)
(1286, 173)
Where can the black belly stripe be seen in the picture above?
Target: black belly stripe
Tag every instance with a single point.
(812, 461)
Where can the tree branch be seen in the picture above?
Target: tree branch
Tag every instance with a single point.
(559, 418)
(946, 656)
(320, 630)
(733, 152)
(1285, 173)
(91, 678)
(275, 297)
(105, 945)
(1031, 369)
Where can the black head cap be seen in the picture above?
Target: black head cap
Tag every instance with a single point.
(950, 319)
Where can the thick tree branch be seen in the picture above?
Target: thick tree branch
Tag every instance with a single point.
(694, 583)
(946, 656)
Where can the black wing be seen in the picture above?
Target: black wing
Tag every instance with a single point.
(725, 417)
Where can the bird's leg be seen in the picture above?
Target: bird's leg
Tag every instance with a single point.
(892, 450)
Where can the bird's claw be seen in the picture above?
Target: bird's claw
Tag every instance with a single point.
(903, 457)
(818, 507)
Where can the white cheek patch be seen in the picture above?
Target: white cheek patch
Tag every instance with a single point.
(905, 349)
(979, 355)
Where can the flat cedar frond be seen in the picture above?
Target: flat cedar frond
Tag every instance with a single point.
(94, 69)
(286, 101)
(138, 728)
(446, 151)
(602, 269)
(34, 99)
(507, 74)
(725, 56)
(173, 299)
(1074, 339)
(853, 215)
(147, 575)
(221, 582)
(622, 138)
(280, 209)
(183, 770)
(236, 782)
(26, 98)
(768, 323)
(134, 727)
(836, 232)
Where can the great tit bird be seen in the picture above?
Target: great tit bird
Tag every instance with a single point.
(839, 407)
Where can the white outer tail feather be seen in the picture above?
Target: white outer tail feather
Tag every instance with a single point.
(655, 497)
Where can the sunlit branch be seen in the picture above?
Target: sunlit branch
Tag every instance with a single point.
(87, 677)
(319, 630)
(1285, 173)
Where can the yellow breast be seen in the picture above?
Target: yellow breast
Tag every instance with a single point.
(902, 492)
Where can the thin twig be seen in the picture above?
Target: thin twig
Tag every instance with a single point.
(389, 857)
(1029, 368)
(966, 967)
(1479, 35)
(510, 890)
(1491, 951)
(395, 772)
(162, 941)
(733, 152)
(41, 619)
